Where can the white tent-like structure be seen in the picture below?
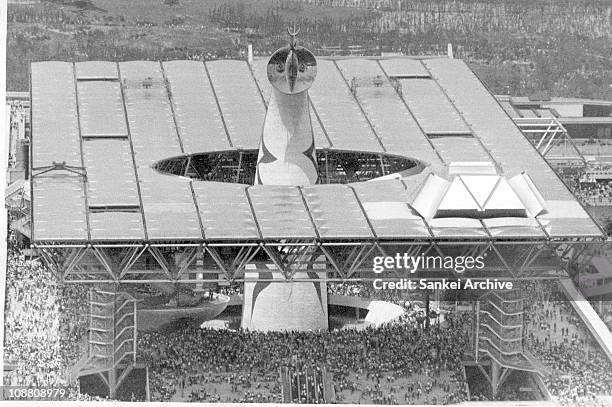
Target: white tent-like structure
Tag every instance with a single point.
(478, 196)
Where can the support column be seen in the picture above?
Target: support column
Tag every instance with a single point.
(495, 374)
(271, 303)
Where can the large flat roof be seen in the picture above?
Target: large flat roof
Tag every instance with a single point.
(117, 120)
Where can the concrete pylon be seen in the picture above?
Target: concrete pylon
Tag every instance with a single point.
(273, 304)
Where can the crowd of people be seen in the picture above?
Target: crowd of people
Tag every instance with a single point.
(594, 193)
(231, 289)
(402, 362)
(580, 374)
(367, 290)
(396, 363)
(17, 116)
(44, 323)
(589, 184)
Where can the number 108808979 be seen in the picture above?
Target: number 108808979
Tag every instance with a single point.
(34, 393)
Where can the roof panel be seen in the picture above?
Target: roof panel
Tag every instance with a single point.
(363, 70)
(340, 115)
(394, 125)
(134, 72)
(386, 205)
(504, 197)
(458, 148)
(110, 173)
(149, 113)
(167, 201)
(414, 183)
(59, 208)
(458, 198)
(514, 227)
(225, 211)
(508, 146)
(101, 70)
(404, 67)
(58, 200)
(101, 109)
(259, 67)
(567, 218)
(280, 212)
(571, 227)
(197, 114)
(240, 101)
(460, 228)
(381, 190)
(113, 226)
(396, 226)
(482, 187)
(336, 212)
(55, 127)
(431, 108)
(507, 106)
(430, 195)
(168, 206)
(495, 129)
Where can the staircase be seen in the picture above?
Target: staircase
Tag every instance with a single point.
(17, 202)
(111, 342)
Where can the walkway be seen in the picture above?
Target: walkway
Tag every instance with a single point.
(586, 312)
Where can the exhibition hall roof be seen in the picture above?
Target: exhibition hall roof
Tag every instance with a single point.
(99, 128)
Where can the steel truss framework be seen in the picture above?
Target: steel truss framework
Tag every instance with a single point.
(551, 139)
(344, 261)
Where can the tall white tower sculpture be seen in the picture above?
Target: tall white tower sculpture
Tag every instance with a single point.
(287, 154)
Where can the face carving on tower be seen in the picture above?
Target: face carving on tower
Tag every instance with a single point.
(292, 69)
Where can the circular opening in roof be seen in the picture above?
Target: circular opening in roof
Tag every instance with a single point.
(335, 167)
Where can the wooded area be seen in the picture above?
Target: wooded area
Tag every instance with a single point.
(518, 47)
